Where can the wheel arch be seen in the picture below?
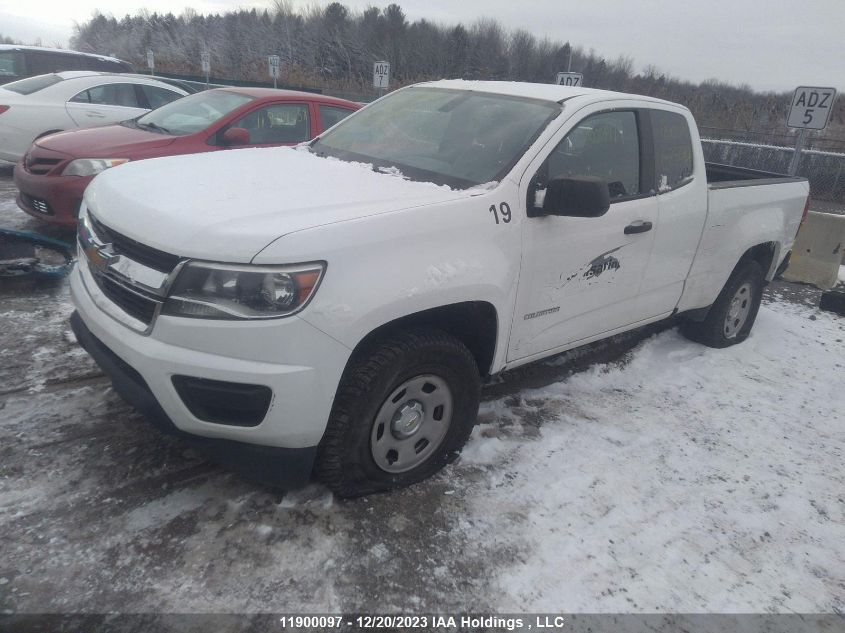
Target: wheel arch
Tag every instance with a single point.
(766, 254)
(474, 323)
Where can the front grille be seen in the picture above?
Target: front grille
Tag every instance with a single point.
(104, 247)
(37, 204)
(122, 245)
(134, 304)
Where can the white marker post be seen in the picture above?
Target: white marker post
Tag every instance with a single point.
(205, 61)
(810, 110)
(151, 61)
(381, 76)
(273, 63)
(569, 79)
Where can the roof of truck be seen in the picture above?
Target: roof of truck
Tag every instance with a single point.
(546, 92)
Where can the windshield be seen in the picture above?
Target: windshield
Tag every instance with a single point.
(193, 113)
(458, 138)
(32, 84)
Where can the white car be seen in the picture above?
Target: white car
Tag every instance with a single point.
(41, 105)
(332, 308)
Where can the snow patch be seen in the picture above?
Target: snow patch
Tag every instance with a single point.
(687, 480)
(314, 495)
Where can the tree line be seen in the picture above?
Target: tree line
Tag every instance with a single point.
(333, 48)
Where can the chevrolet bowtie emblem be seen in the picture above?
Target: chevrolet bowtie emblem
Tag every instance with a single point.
(102, 256)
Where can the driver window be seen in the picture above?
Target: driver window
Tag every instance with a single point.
(277, 123)
(604, 145)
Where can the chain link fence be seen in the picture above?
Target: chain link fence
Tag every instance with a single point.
(824, 168)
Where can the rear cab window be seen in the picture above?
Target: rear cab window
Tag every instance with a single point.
(672, 150)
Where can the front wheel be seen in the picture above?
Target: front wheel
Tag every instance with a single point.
(404, 407)
(732, 316)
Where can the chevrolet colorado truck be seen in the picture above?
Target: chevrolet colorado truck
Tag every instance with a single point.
(331, 309)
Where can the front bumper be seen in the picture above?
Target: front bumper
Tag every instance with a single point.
(285, 467)
(298, 363)
(54, 199)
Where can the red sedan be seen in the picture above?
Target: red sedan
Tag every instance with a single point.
(53, 174)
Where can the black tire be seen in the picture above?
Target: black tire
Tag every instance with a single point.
(712, 330)
(345, 461)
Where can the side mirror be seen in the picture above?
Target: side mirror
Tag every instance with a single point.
(235, 136)
(579, 197)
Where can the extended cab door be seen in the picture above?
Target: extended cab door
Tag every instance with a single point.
(581, 277)
(681, 184)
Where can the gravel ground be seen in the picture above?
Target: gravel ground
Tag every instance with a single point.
(549, 508)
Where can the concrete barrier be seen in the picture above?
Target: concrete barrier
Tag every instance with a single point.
(817, 252)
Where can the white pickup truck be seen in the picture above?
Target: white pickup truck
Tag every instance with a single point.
(333, 308)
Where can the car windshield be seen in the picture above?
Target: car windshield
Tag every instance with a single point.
(32, 84)
(193, 113)
(458, 138)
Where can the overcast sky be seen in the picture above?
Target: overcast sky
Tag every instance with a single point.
(769, 44)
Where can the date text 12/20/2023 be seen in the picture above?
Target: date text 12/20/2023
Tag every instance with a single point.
(463, 622)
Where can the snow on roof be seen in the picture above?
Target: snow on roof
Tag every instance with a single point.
(547, 92)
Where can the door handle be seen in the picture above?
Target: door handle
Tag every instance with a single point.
(95, 115)
(638, 227)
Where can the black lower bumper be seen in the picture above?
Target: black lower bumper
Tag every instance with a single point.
(271, 465)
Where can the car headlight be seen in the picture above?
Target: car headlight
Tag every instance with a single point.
(223, 291)
(91, 166)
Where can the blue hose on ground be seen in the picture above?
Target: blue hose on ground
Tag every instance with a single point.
(25, 253)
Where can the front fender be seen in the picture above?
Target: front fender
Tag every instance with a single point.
(384, 267)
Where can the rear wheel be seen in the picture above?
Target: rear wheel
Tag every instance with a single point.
(403, 409)
(732, 316)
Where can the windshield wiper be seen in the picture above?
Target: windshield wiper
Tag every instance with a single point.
(153, 126)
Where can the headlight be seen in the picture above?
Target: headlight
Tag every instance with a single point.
(91, 166)
(222, 291)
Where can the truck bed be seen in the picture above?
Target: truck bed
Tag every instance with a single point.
(726, 176)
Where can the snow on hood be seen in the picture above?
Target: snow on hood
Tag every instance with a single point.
(228, 205)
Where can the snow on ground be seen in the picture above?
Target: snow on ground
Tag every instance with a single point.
(688, 479)
(678, 478)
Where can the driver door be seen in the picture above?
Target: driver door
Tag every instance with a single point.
(581, 277)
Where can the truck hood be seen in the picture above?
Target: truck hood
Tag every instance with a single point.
(109, 141)
(229, 205)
